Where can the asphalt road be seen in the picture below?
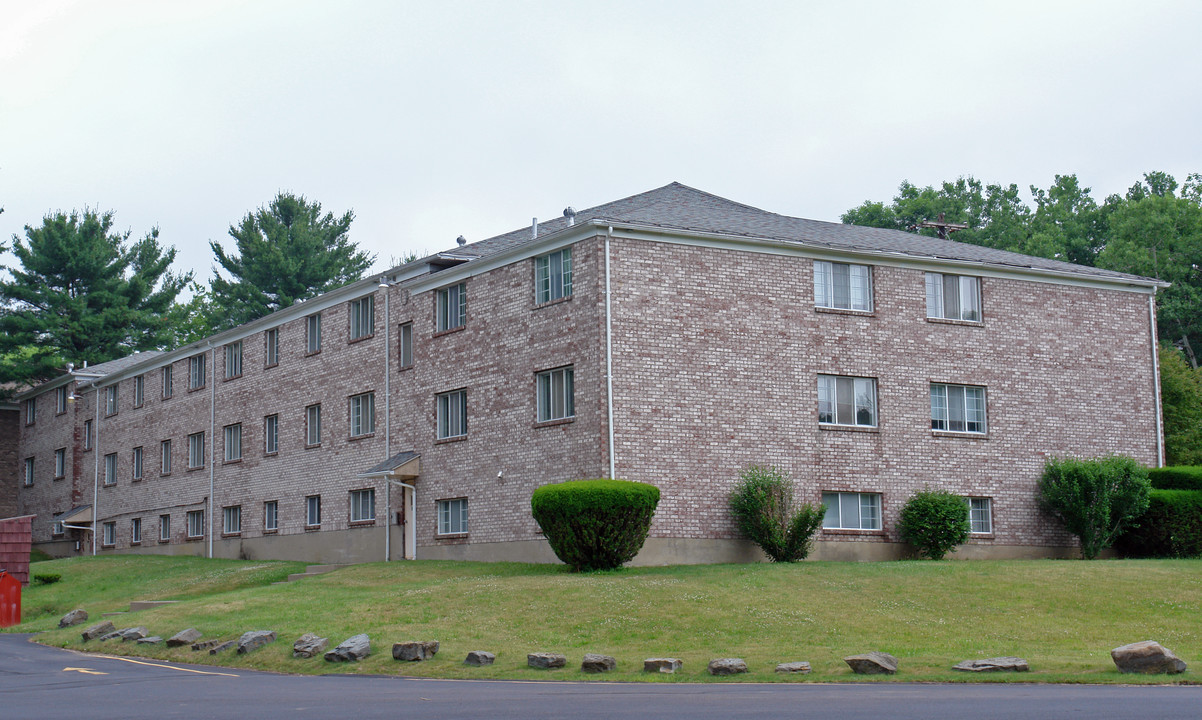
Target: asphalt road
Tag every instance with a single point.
(43, 683)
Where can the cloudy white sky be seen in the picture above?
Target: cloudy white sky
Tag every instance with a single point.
(439, 118)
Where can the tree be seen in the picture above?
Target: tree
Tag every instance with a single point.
(192, 320)
(286, 252)
(1094, 499)
(762, 504)
(1181, 400)
(81, 292)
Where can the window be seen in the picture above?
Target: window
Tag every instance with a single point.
(452, 307)
(165, 457)
(60, 400)
(363, 317)
(60, 463)
(196, 450)
(271, 434)
(847, 400)
(313, 511)
(955, 297)
(110, 469)
(87, 434)
(59, 528)
(233, 360)
(168, 383)
(110, 400)
(313, 425)
(363, 414)
(313, 334)
(363, 505)
(137, 463)
(233, 442)
(135, 531)
(452, 516)
(842, 286)
(405, 339)
(272, 351)
(164, 528)
(110, 534)
(28, 472)
(555, 395)
(31, 411)
(231, 520)
(139, 391)
(196, 523)
(271, 517)
(452, 414)
(980, 515)
(196, 372)
(851, 511)
(957, 408)
(553, 276)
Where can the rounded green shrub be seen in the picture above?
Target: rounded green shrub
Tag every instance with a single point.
(595, 524)
(1171, 527)
(762, 506)
(1094, 499)
(934, 522)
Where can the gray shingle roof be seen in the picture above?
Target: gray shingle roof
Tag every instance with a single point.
(682, 208)
(391, 463)
(112, 366)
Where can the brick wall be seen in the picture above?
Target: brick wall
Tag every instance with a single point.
(51, 431)
(9, 438)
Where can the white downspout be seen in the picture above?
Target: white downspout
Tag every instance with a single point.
(410, 511)
(609, 368)
(1156, 378)
(387, 421)
(96, 459)
(212, 380)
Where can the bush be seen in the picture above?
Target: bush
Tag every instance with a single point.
(1094, 499)
(47, 579)
(1171, 527)
(762, 506)
(1180, 477)
(595, 524)
(934, 522)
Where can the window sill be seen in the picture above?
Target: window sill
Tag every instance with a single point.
(61, 477)
(961, 435)
(167, 397)
(166, 474)
(137, 479)
(403, 368)
(850, 531)
(107, 485)
(231, 534)
(106, 547)
(448, 331)
(272, 531)
(312, 528)
(443, 441)
(313, 446)
(553, 423)
(107, 415)
(231, 377)
(365, 436)
(953, 321)
(362, 523)
(273, 453)
(361, 338)
(57, 413)
(311, 353)
(271, 365)
(139, 406)
(549, 303)
(231, 462)
(195, 538)
(451, 536)
(194, 469)
(196, 389)
(135, 542)
(980, 536)
(163, 542)
(844, 311)
(850, 428)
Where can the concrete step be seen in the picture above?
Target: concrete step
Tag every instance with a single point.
(137, 605)
(318, 569)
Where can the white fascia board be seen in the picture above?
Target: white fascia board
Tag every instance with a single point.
(64, 379)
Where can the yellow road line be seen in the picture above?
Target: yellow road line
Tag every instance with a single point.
(168, 667)
(85, 671)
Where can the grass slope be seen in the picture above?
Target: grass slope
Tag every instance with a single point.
(1062, 616)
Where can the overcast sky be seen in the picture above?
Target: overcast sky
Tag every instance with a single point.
(435, 119)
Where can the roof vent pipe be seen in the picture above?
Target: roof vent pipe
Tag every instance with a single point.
(461, 240)
(534, 229)
(570, 213)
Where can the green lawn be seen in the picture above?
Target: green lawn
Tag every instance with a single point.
(1062, 616)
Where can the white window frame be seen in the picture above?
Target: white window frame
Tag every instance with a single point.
(405, 340)
(452, 415)
(232, 442)
(110, 469)
(363, 414)
(313, 334)
(313, 425)
(865, 506)
(271, 350)
(110, 400)
(980, 515)
(110, 534)
(451, 307)
(959, 409)
(196, 523)
(135, 531)
(60, 463)
(313, 511)
(233, 360)
(165, 457)
(196, 372)
(31, 411)
(452, 516)
(553, 276)
(363, 505)
(60, 400)
(842, 286)
(28, 472)
(87, 435)
(362, 315)
(271, 516)
(168, 382)
(555, 394)
(196, 450)
(833, 409)
(231, 520)
(139, 391)
(58, 528)
(271, 434)
(138, 457)
(964, 305)
(164, 528)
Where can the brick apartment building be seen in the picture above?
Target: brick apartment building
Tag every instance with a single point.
(672, 337)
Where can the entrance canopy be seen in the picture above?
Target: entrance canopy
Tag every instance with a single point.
(402, 466)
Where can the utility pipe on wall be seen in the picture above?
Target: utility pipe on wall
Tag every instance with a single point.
(96, 459)
(211, 379)
(609, 368)
(387, 420)
(1156, 378)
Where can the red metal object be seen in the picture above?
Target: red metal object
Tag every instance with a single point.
(15, 540)
(10, 600)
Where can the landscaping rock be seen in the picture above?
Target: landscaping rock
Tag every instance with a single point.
(111, 636)
(255, 639)
(74, 617)
(133, 633)
(415, 651)
(223, 647)
(664, 665)
(205, 645)
(354, 648)
(873, 663)
(476, 657)
(1148, 657)
(997, 664)
(726, 666)
(794, 667)
(184, 637)
(546, 661)
(101, 628)
(152, 640)
(598, 663)
(309, 645)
